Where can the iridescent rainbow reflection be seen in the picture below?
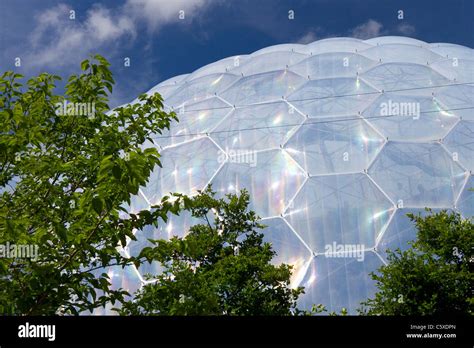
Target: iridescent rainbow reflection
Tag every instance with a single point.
(329, 166)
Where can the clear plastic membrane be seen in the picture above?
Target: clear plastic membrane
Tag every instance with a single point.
(336, 141)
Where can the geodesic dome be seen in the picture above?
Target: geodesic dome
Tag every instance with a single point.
(336, 141)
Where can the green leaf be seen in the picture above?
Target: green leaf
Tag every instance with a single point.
(97, 205)
(62, 233)
(117, 171)
(85, 65)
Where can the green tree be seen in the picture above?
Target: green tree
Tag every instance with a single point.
(65, 177)
(434, 276)
(69, 168)
(222, 267)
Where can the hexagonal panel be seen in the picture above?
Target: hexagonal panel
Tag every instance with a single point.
(268, 62)
(332, 65)
(328, 210)
(194, 121)
(270, 86)
(220, 67)
(186, 168)
(460, 70)
(339, 282)
(460, 142)
(418, 175)
(257, 127)
(271, 179)
(452, 51)
(458, 99)
(392, 77)
(340, 146)
(200, 88)
(166, 88)
(400, 231)
(337, 44)
(391, 53)
(288, 247)
(329, 97)
(408, 118)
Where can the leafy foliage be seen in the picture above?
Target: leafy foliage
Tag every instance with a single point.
(64, 179)
(319, 309)
(435, 276)
(221, 267)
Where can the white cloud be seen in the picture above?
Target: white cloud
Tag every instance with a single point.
(105, 27)
(57, 40)
(406, 29)
(367, 30)
(158, 13)
(47, 19)
(311, 36)
(372, 28)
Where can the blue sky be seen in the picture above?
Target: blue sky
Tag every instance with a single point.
(161, 45)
